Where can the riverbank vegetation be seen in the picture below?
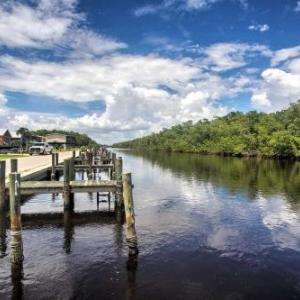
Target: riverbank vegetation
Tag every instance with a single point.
(237, 134)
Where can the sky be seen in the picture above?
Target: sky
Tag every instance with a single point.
(117, 70)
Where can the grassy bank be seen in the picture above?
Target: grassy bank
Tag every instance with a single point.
(9, 156)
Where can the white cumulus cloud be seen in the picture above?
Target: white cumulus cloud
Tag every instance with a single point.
(50, 24)
(285, 54)
(227, 56)
(141, 93)
(278, 89)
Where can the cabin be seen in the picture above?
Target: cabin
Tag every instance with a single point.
(60, 140)
(5, 138)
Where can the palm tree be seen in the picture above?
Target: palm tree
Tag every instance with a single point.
(25, 136)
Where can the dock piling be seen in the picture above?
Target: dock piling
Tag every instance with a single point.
(72, 175)
(67, 194)
(119, 192)
(2, 185)
(3, 235)
(71, 169)
(13, 165)
(114, 158)
(56, 158)
(90, 162)
(53, 166)
(15, 218)
(68, 230)
(131, 236)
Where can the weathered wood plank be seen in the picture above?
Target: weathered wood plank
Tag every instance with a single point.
(130, 216)
(84, 186)
(16, 243)
(119, 193)
(2, 185)
(41, 187)
(77, 186)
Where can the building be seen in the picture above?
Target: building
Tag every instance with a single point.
(15, 140)
(60, 140)
(37, 138)
(5, 138)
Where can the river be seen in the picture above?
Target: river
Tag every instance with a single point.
(208, 228)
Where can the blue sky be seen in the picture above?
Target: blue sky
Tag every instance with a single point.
(122, 69)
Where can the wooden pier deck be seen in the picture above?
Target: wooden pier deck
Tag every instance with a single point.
(24, 181)
(32, 167)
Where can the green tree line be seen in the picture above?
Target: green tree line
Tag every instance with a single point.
(236, 134)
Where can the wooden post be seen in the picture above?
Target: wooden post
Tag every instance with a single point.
(68, 230)
(72, 175)
(98, 200)
(129, 214)
(94, 163)
(119, 192)
(15, 218)
(74, 154)
(67, 195)
(3, 246)
(114, 158)
(13, 165)
(17, 276)
(90, 161)
(53, 167)
(108, 199)
(2, 185)
(56, 158)
(71, 169)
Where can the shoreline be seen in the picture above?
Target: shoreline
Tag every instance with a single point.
(256, 156)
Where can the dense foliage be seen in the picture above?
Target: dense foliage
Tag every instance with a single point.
(238, 134)
(80, 139)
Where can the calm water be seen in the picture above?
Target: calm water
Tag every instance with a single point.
(208, 228)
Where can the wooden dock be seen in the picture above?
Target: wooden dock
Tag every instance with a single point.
(76, 186)
(93, 162)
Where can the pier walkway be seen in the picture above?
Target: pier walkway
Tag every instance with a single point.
(32, 164)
